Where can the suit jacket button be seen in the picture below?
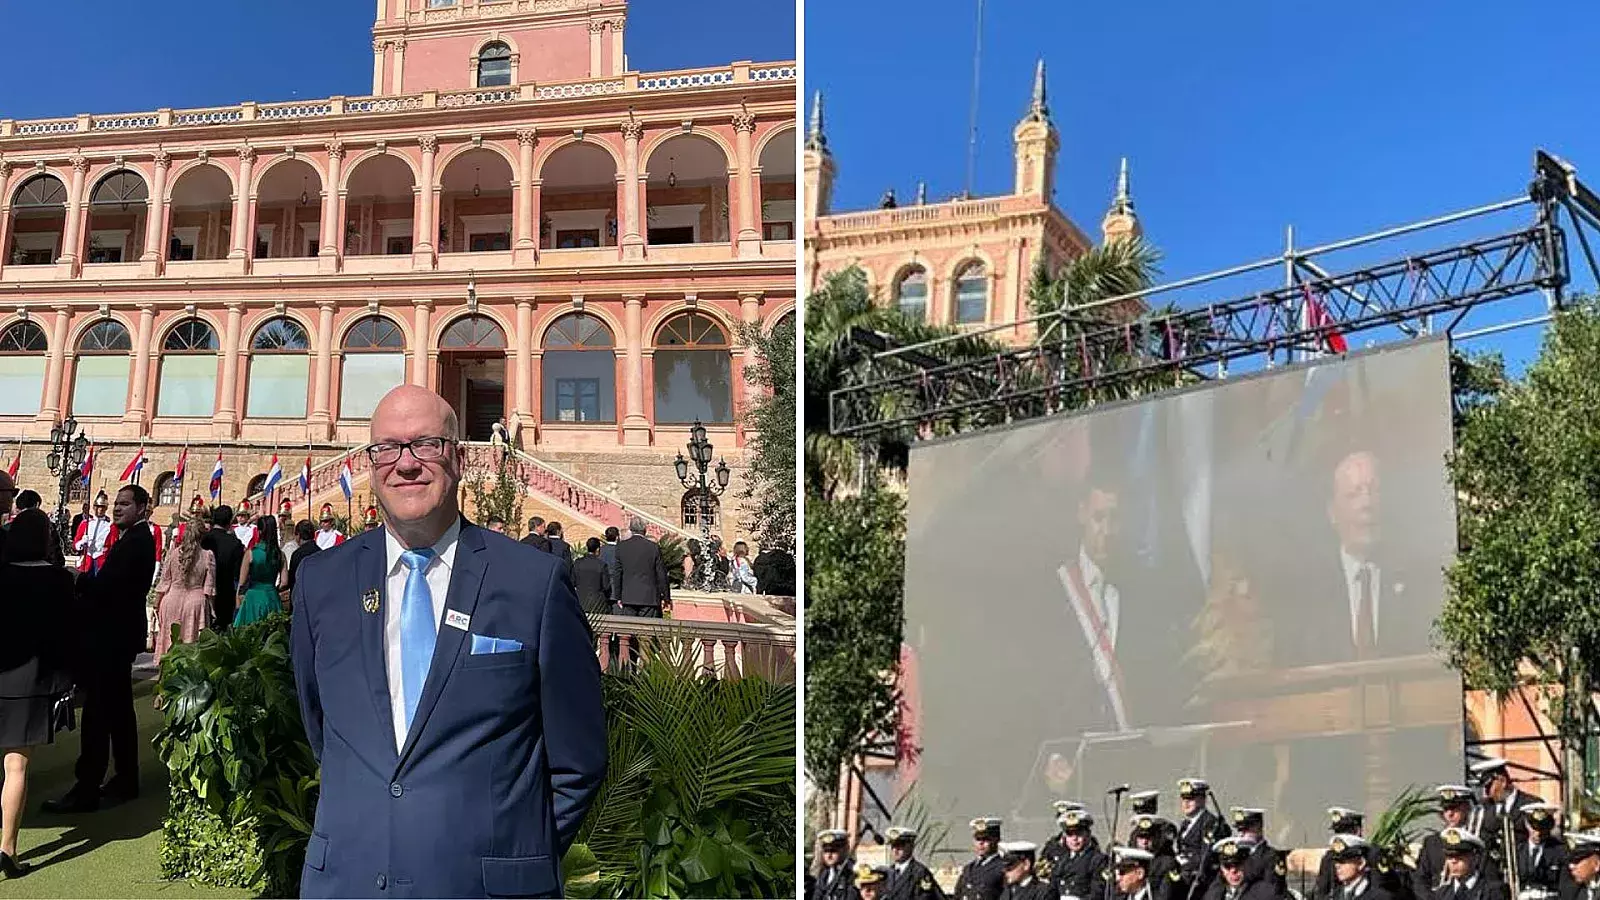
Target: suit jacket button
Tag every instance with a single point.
(395, 790)
(383, 882)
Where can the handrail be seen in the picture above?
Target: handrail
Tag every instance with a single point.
(575, 493)
(250, 112)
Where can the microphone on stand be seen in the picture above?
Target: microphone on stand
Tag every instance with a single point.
(1119, 789)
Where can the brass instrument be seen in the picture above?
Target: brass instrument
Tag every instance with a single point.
(1508, 855)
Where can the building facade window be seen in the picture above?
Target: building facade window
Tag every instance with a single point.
(188, 370)
(100, 387)
(374, 363)
(116, 217)
(693, 371)
(695, 508)
(39, 215)
(22, 359)
(972, 294)
(494, 65)
(579, 371)
(280, 370)
(473, 333)
(169, 491)
(911, 293)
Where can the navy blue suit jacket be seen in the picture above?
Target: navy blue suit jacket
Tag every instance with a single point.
(505, 754)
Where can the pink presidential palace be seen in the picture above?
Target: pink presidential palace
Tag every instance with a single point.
(963, 262)
(512, 217)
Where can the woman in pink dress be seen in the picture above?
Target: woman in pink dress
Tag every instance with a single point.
(184, 593)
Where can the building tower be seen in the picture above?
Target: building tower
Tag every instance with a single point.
(420, 45)
(819, 168)
(1121, 222)
(1037, 143)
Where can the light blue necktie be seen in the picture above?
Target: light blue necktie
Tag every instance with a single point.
(418, 631)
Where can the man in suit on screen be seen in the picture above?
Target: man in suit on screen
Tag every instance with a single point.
(449, 688)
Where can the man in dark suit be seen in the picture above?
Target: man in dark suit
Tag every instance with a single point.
(558, 547)
(641, 586)
(908, 878)
(593, 580)
(114, 633)
(535, 537)
(984, 876)
(1463, 875)
(608, 555)
(1583, 866)
(774, 569)
(229, 554)
(1541, 856)
(1198, 831)
(448, 685)
(307, 545)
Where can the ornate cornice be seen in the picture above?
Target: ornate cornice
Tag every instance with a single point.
(429, 143)
(528, 137)
(80, 164)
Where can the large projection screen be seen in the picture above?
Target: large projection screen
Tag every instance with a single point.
(1237, 581)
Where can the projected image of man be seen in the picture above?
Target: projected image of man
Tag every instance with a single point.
(1097, 603)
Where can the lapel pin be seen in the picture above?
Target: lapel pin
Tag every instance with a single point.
(369, 600)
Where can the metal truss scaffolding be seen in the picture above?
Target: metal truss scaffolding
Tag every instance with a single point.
(1080, 355)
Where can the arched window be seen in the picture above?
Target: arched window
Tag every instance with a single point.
(116, 210)
(494, 65)
(694, 372)
(280, 370)
(169, 491)
(374, 363)
(255, 485)
(188, 370)
(100, 387)
(473, 333)
(693, 509)
(22, 359)
(911, 293)
(972, 294)
(580, 371)
(39, 208)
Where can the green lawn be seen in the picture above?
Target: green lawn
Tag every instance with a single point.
(111, 853)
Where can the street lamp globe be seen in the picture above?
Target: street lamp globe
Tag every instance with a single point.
(682, 465)
(53, 458)
(697, 433)
(722, 472)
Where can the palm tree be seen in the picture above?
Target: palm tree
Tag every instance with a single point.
(833, 360)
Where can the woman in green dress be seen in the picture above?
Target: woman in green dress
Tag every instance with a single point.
(258, 576)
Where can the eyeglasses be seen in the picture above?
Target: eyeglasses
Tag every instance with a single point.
(426, 449)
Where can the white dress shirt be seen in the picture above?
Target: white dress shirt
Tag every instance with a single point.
(394, 590)
(1352, 584)
(1107, 601)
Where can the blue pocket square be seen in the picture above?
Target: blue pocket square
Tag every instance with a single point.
(483, 644)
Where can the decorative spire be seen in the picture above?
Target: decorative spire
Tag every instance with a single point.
(1122, 204)
(815, 139)
(922, 193)
(1039, 108)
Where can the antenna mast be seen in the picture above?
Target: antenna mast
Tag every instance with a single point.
(972, 135)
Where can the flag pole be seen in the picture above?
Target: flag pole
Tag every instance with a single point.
(308, 477)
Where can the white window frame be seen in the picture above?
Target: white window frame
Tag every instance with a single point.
(781, 211)
(496, 224)
(395, 228)
(264, 233)
(309, 232)
(188, 236)
(578, 220)
(118, 238)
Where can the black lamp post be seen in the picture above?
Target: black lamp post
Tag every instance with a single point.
(700, 456)
(65, 461)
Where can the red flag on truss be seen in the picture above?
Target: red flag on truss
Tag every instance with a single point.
(1318, 317)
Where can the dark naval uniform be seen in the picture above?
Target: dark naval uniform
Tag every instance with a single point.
(1080, 874)
(915, 882)
(1033, 888)
(1249, 890)
(1196, 834)
(1542, 865)
(835, 884)
(981, 879)
(1478, 887)
(1365, 889)
(1266, 864)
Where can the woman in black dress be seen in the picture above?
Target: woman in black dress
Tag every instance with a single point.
(34, 602)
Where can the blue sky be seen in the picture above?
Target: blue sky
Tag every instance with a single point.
(295, 48)
(1238, 118)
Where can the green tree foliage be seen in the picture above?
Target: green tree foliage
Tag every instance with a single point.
(1524, 590)
(770, 479)
(855, 555)
(498, 494)
(698, 799)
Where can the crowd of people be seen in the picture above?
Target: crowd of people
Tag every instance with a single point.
(1493, 836)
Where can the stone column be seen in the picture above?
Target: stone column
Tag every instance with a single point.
(429, 223)
(332, 225)
(397, 84)
(5, 211)
(632, 237)
(377, 67)
(618, 60)
(749, 225)
(69, 368)
(155, 240)
(226, 421)
(50, 406)
(136, 414)
(72, 238)
(421, 341)
(320, 411)
(527, 189)
(596, 29)
(635, 428)
(524, 367)
(241, 204)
